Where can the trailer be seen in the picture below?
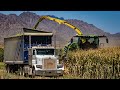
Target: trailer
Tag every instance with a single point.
(31, 53)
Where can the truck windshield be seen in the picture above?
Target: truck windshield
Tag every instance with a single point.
(45, 51)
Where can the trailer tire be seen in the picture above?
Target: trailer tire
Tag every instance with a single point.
(20, 71)
(25, 74)
(8, 69)
(61, 75)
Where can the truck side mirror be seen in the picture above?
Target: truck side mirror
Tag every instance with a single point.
(107, 40)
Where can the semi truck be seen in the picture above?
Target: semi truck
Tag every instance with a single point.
(31, 53)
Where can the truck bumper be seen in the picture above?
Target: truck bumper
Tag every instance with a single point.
(49, 72)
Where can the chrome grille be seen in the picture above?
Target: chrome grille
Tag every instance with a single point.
(49, 64)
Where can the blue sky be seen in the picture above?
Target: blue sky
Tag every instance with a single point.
(109, 21)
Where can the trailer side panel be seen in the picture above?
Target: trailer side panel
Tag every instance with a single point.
(13, 51)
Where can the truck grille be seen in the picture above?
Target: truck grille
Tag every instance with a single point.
(49, 64)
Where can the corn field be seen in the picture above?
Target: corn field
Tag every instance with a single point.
(94, 64)
(90, 64)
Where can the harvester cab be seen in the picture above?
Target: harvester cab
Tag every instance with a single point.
(84, 42)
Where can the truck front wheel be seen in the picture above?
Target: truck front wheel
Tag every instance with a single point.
(33, 72)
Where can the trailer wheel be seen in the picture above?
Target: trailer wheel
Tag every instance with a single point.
(61, 75)
(8, 69)
(20, 71)
(25, 74)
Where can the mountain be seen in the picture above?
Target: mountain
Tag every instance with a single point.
(56, 17)
(116, 35)
(12, 24)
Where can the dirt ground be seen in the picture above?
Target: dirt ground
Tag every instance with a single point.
(5, 75)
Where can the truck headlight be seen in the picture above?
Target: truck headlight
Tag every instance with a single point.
(39, 66)
(59, 66)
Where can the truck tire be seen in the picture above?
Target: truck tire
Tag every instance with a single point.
(61, 75)
(33, 72)
(8, 69)
(20, 71)
(25, 74)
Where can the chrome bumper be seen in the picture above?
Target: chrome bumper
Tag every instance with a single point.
(49, 72)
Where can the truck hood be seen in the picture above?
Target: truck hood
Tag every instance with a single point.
(46, 56)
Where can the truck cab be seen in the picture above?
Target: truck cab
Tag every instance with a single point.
(44, 61)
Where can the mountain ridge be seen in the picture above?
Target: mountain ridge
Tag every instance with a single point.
(12, 24)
